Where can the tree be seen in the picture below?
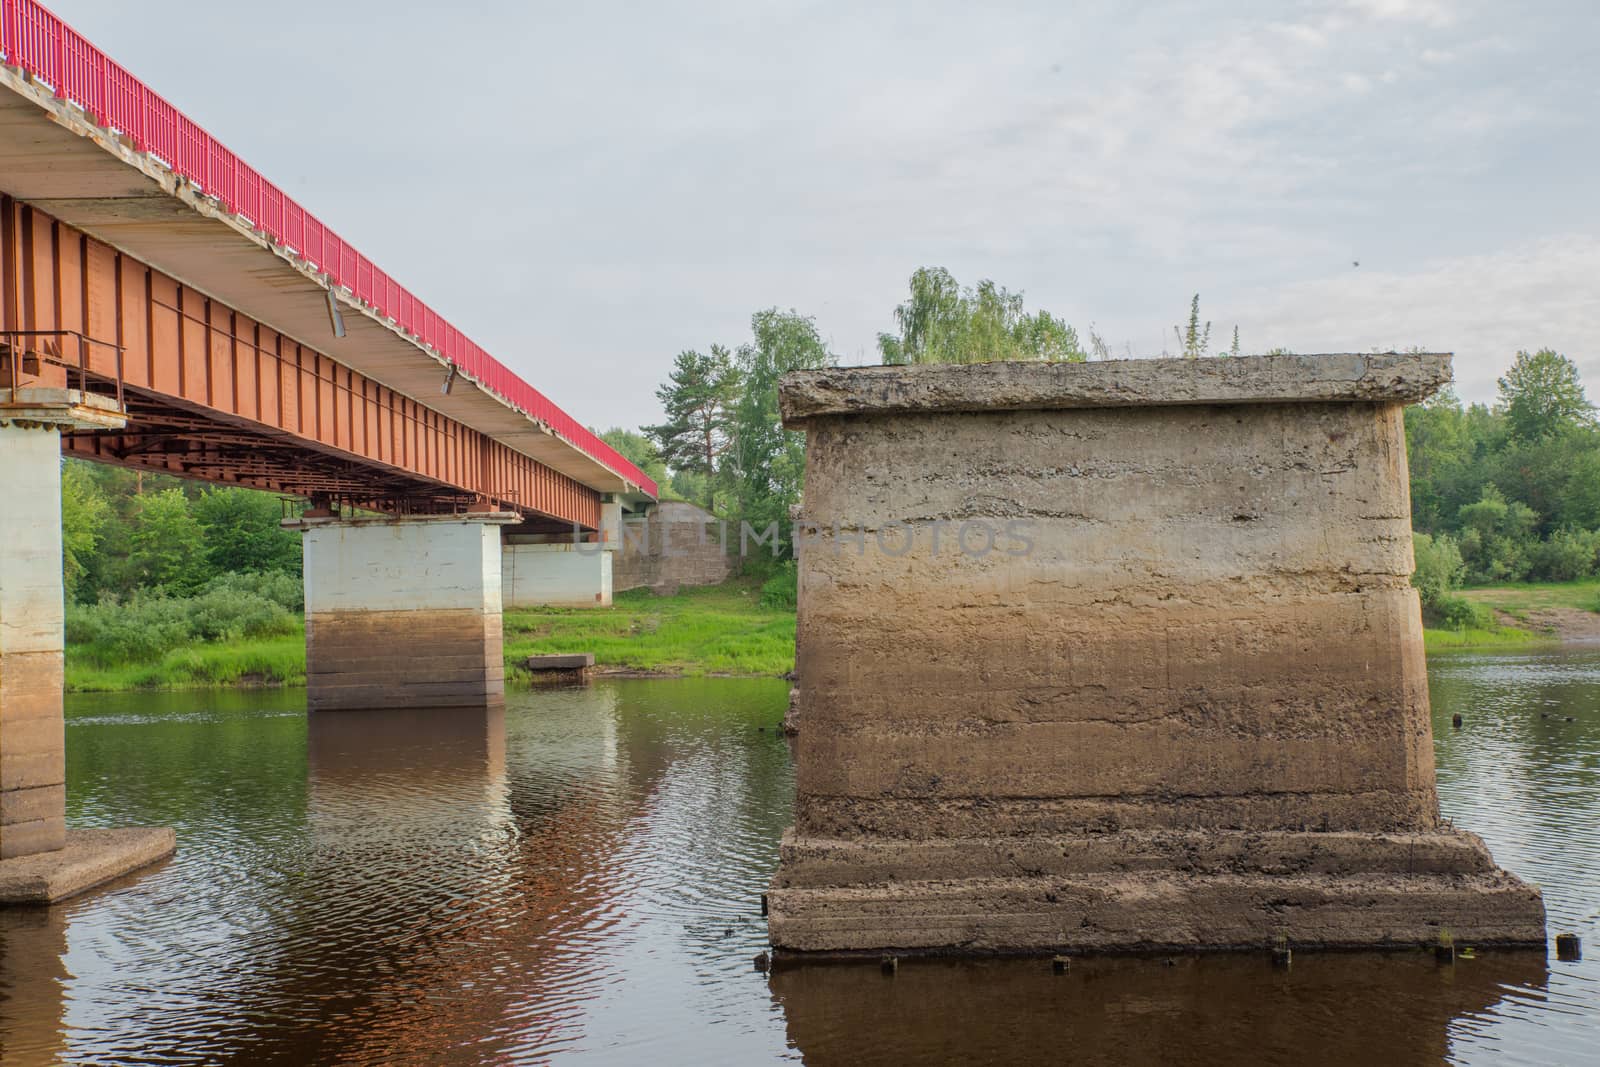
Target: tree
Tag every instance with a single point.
(1497, 537)
(166, 548)
(637, 449)
(698, 397)
(944, 323)
(768, 462)
(1543, 396)
(243, 533)
(1042, 336)
(84, 512)
(1518, 506)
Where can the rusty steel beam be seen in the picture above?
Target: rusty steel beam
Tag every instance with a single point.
(213, 394)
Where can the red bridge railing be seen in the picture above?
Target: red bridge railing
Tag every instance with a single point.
(54, 53)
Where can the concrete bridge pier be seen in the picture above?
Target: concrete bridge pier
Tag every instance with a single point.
(40, 859)
(403, 611)
(570, 569)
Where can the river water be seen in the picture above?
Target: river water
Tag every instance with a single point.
(578, 880)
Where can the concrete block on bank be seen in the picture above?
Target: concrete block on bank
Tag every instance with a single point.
(676, 545)
(573, 668)
(563, 661)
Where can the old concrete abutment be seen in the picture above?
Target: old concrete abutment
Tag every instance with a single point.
(1118, 656)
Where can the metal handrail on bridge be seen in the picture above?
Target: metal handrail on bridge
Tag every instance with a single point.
(19, 348)
(48, 50)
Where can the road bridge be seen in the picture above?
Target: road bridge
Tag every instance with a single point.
(164, 306)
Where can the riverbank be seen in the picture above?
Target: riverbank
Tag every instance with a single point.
(716, 630)
(1527, 613)
(724, 630)
(713, 630)
(1564, 611)
(247, 663)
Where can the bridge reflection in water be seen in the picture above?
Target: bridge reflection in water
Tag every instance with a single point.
(440, 884)
(576, 878)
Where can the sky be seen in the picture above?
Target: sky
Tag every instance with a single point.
(589, 188)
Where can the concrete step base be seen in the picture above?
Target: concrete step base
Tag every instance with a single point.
(90, 858)
(1100, 894)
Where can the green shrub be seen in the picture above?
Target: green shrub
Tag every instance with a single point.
(1567, 556)
(146, 628)
(228, 614)
(1439, 566)
(284, 589)
(141, 630)
(1459, 613)
(782, 589)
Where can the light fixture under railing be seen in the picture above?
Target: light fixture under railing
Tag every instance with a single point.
(335, 317)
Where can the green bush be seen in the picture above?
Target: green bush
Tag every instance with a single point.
(227, 615)
(146, 628)
(1459, 613)
(136, 632)
(1439, 566)
(1567, 556)
(286, 590)
(782, 590)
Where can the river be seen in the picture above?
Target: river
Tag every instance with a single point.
(578, 878)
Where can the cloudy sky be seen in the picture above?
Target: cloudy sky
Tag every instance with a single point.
(588, 188)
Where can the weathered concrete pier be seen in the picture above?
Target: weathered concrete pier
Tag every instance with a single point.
(40, 859)
(403, 612)
(1119, 656)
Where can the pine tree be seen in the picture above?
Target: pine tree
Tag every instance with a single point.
(698, 398)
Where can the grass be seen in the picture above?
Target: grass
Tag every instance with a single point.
(1441, 640)
(203, 665)
(1520, 599)
(1517, 601)
(719, 629)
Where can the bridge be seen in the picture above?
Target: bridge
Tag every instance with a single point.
(164, 306)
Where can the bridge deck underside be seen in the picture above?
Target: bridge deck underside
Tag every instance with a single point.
(169, 437)
(214, 394)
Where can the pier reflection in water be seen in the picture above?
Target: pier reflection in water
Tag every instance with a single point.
(577, 879)
(1331, 1008)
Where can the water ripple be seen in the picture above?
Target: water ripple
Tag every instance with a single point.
(578, 879)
